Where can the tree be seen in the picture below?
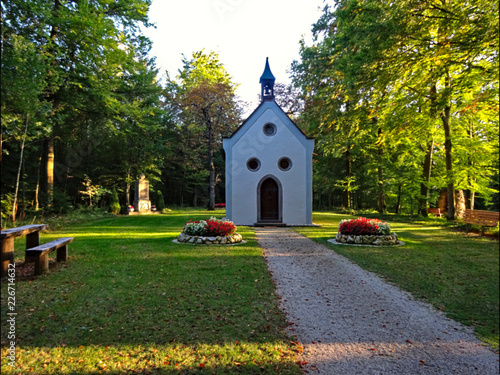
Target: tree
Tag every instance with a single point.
(90, 100)
(288, 98)
(402, 70)
(81, 41)
(23, 81)
(205, 96)
(114, 204)
(160, 201)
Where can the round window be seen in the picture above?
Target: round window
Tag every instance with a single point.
(253, 164)
(285, 164)
(269, 129)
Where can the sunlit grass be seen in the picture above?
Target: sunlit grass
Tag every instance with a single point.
(131, 301)
(456, 273)
(224, 358)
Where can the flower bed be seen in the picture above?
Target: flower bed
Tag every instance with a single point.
(212, 231)
(210, 228)
(366, 231)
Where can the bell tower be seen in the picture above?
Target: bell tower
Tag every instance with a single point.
(267, 83)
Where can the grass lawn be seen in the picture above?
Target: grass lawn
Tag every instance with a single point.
(131, 301)
(457, 274)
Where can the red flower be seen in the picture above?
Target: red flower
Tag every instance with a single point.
(220, 228)
(359, 226)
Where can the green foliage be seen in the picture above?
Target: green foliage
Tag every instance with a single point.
(205, 106)
(94, 192)
(203, 67)
(114, 204)
(395, 90)
(160, 201)
(61, 204)
(6, 208)
(78, 75)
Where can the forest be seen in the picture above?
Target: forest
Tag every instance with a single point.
(402, 99)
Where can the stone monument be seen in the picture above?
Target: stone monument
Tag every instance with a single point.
(142, 204)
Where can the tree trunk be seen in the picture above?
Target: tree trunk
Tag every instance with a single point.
(14, 205)
(398, 204)
(211, 202)
(382, 207)
(23, 195)
(469, 193)
(195, 198)
(427, 167)
(445, 117)
(54, 32)
(211, 167)
(469, 199)
(38, 176)
(127, 189)
(426, 177)
(348, 172)
(50, 171)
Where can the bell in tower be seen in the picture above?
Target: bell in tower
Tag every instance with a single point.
(267, 83)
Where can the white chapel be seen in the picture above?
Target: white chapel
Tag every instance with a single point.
(268, 166)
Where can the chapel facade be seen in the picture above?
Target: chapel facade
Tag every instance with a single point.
(268, 166)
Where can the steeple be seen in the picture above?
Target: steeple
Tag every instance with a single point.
(267, 83)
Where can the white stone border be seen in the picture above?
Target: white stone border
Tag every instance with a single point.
(368, 239)
(334, 242)
(235, 239)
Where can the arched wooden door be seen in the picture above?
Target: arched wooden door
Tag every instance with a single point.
(269, 201)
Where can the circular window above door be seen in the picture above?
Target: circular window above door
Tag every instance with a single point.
(269, 129)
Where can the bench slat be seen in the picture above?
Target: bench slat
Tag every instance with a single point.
(40, 254)
(487, 218)
(49, 246)
(481, 218)
(22, 231)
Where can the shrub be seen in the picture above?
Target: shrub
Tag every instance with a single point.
(364, 226)
(114, 204)
(6, 206)
(61, 203)
(160, 202)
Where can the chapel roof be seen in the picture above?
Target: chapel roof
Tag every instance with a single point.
(274, 105)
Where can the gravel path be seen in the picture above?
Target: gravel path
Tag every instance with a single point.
(350, 321)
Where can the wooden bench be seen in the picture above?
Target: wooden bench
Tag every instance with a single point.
(40, 253)
(7, 236)
(481, 218)
(435, 211)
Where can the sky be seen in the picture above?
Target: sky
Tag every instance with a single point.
(242, 32)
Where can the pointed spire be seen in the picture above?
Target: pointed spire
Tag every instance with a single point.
(267, 75)
(267, 83)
